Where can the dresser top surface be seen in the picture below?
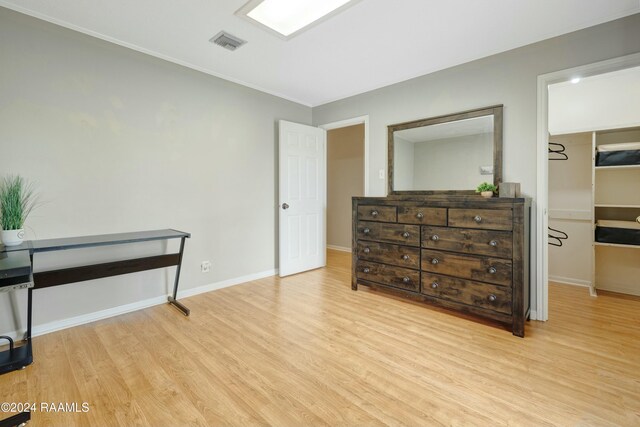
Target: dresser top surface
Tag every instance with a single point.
(449, 200)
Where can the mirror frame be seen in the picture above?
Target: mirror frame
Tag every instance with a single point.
(495, 111)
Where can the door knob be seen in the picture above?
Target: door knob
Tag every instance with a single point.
(285, 206)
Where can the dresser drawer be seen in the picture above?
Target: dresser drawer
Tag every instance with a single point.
(403, 256)
(423, 216)
(489, 219)
(377, 213)
(390, 233)
(497, 298)
(389, 275)
(491, 270)
(481, 242)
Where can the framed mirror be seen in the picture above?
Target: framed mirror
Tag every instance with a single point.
(448, 154)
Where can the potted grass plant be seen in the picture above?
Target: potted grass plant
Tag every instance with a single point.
(486, 190)
(17, 199)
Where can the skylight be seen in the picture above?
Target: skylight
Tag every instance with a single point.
(288, 17)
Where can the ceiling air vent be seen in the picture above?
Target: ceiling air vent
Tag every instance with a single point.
(227, 41)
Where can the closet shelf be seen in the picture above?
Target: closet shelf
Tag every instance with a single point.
(616, 245)
(598, 168)
(608, 205)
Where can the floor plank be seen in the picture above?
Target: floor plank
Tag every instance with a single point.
(307, 350)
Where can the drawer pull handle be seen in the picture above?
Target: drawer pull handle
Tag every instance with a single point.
(435, 261)
(492, 270)
(493, 243)
(366, 270)
(405, 257)
(406, 234)
(366, 231)
(478, 219)
(435, 285)
(367, 250)
(435, 237)
(374, 213)
(406, 280)
(419, 215)
(492, 298)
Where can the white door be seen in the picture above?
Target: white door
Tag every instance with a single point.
(302, 204)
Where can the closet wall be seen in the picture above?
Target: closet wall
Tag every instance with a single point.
(570, 210)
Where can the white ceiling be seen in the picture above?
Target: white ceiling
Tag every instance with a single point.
(369, 45)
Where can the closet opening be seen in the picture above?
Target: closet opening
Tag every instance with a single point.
(347, 157)
(593, 182)
(345, 179)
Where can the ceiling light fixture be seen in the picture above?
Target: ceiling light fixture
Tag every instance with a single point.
(575, 80)
(287, 18)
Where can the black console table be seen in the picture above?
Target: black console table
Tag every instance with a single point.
(16, 271)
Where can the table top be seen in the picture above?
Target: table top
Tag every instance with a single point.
(47, 245)
(14, 264)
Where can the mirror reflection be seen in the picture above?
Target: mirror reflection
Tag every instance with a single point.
(455, 155)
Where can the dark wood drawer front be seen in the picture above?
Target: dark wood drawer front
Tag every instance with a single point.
(481, 242)
(389, 275)
(377, 213)
(423, 216)
(391, 233)
(403, 256)
(491, 270)
(497, 298)
(489, 219)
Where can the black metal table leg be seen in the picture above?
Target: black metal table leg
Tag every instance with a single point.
(16, 420)
(173, 300)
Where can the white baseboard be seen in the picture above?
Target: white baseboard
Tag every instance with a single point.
(59, 325)
(570, 281)
(339, 248)
(619, 287)
(226, 283)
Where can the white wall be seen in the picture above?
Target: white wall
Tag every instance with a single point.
(119, 141)
(509, 78)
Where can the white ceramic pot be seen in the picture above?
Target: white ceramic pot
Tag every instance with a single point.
(487, 194)
(12, 237)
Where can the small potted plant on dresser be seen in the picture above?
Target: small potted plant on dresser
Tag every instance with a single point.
(486, 190)
(17, 199)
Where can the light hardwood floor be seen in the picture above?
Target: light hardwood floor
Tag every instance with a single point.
(307, 350)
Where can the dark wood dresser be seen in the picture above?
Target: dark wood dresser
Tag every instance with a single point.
(464, 253)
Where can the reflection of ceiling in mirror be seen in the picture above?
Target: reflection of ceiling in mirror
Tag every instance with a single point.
(474, 126)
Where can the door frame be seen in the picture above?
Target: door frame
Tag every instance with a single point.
(542, 192)
(351, 122)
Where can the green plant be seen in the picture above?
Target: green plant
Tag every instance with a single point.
(17, 199)
(485, 186)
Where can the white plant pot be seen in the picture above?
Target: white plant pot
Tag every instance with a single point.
(487, 194)
(12, 237)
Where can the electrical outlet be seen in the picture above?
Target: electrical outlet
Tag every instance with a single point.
(205, 266)
(381, 173)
